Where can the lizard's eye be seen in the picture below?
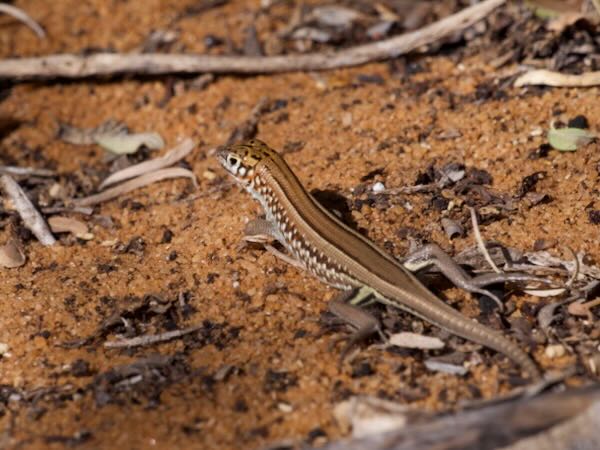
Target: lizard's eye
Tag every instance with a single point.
(232, 161)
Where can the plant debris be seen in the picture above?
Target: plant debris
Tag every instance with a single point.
(31, 217)
(79, 229)
(11, 254)
(23, 17)
(112, 136)
(413, 340)
(152, 338)
(135, 183)
(569, 139)
(171, 157)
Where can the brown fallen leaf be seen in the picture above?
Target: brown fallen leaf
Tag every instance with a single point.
(61, 224)
(11, 254)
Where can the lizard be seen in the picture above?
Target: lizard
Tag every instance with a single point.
(328, 249)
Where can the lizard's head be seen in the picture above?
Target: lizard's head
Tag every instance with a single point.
(240, 160)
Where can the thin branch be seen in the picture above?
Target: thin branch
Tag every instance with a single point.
(480, 243)
(78, 66)
(30, 215)
(24, 18)
(26, 171)
(149, 339)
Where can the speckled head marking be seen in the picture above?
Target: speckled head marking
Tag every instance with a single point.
(240, 160)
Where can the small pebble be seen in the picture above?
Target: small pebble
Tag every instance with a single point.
(555, 351)
(346, 119)
(538, 131)
(209, 175)
(284, 407)
(3, 348)
(378, 187)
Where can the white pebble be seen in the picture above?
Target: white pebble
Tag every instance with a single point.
(555, 351)
(378, 187)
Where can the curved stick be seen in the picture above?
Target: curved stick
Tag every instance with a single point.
(78, 66)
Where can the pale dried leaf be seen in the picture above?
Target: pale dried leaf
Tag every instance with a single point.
(452, 228)
(335, 16)
(545, 292)
(125, 144)
(445, 367)
(369, 415)
(60, 224)
(569, 139)
(135, 183)
(87, 136)
(414, 340)
(557, 79)
(312, 34)
(11, 254)
(171, 157)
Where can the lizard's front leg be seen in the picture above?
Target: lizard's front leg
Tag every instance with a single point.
(262, 231)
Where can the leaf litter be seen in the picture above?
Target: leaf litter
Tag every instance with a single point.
(111, 135)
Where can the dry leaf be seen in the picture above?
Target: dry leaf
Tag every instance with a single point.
(334, 16)
(112, 136)
(11, 254)
(135, 183)
(60, 224)
(414, 340)
(569, 139)
(557, 79)
(171, 157)
(452, 228)
(87, 136)
(125, 144)
(369, 415)
(445, 367)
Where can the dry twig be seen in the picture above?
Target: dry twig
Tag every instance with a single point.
(149, 339)
(30, 215)
(79, 66)
(480, 243)
(23, 17)
(26, 171)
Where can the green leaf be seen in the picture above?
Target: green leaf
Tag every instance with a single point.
(569, 139)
